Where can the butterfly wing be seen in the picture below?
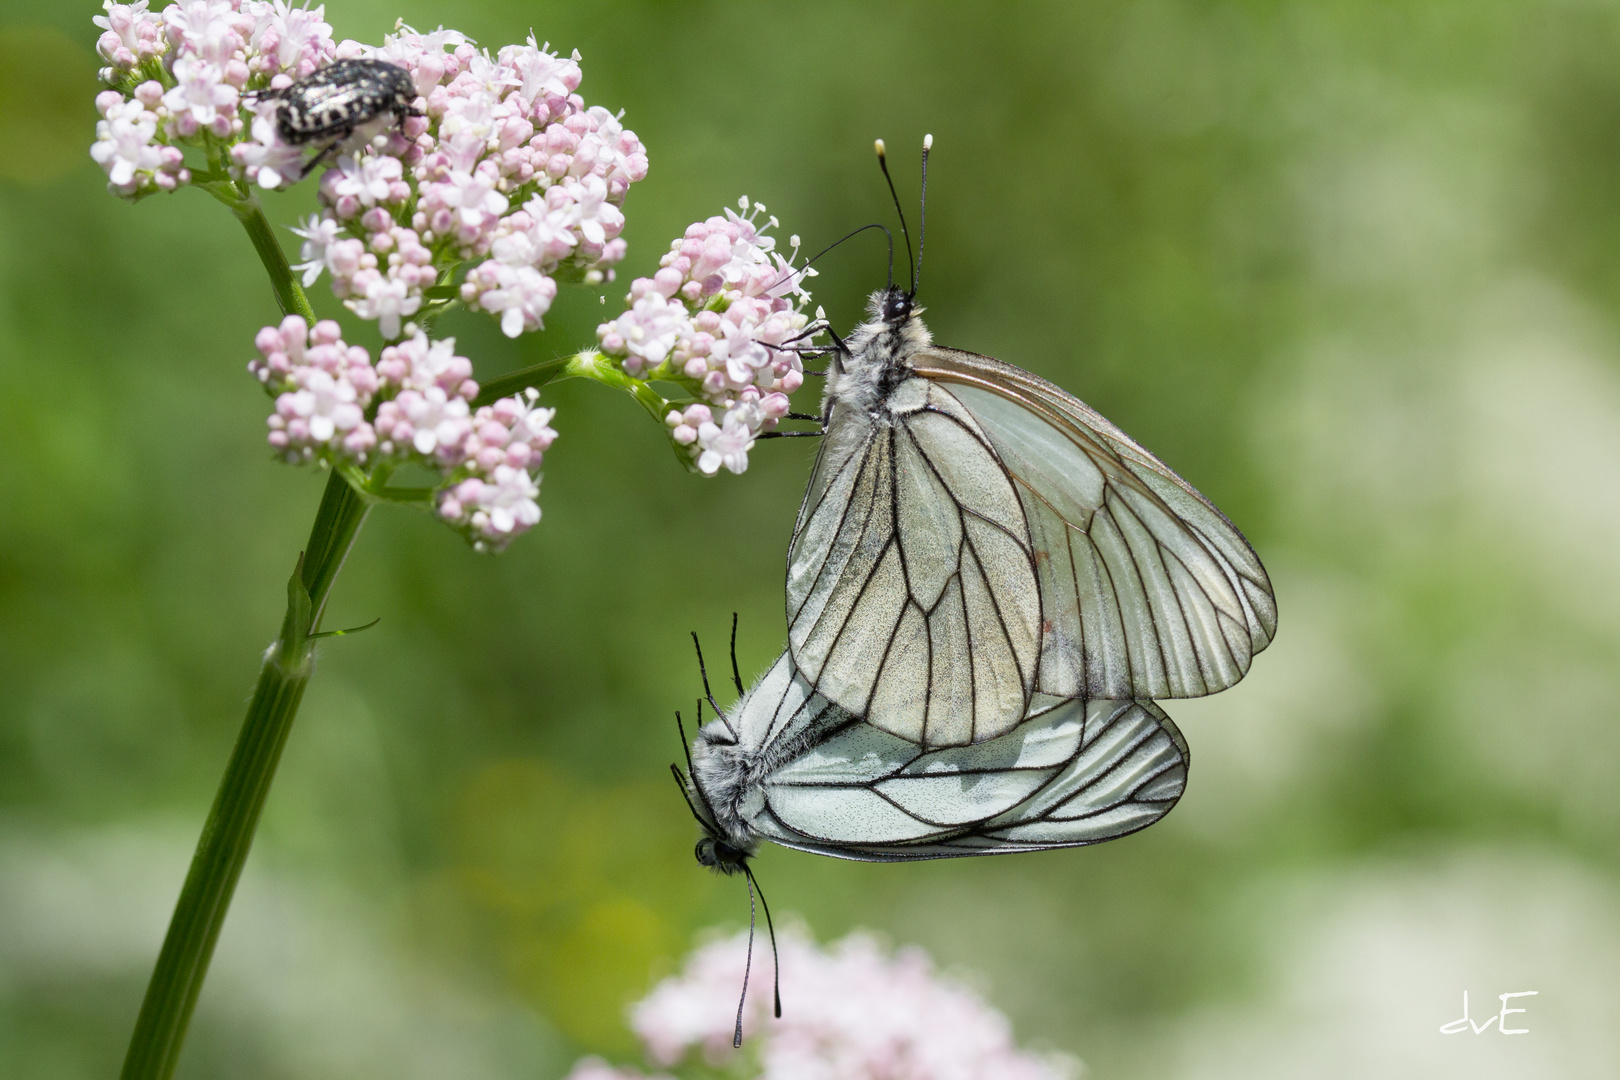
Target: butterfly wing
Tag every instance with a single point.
(1147, 590)
(1080, 773)
(912, 595)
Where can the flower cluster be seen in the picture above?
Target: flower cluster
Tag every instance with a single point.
(413, 406)
(854, 1012)
(722, 317)
(501, 165)
(182, 77)
(507, 169)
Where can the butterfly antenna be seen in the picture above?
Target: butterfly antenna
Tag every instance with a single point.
(736, 676)
(848, 236)
(776, 959)
(748, 964)
(883, 163)
(922, 213)
(707, 692)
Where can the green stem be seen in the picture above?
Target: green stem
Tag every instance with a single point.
(589, 364)
(289, 294)
(227, 836)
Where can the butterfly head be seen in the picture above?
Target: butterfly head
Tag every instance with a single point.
(894, 305)
(720, 856)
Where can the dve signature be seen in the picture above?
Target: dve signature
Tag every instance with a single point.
(1456, 1027)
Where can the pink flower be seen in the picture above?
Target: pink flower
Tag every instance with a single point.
(852, 1012)
(717, 318)
(387, 300)
(212, 30)
(594, 1068)
(651, 328)
(295, 40)
(202, 100)
(132, 35)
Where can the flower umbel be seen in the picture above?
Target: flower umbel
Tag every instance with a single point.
(499, 168)
(722, 317)
(853, 1011)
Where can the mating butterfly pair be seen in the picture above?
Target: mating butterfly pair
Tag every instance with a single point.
(988, 586)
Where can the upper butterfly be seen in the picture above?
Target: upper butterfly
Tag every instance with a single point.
(973, 536)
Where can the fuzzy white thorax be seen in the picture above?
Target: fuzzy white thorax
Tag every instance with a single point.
(879, 357)
(723, 772)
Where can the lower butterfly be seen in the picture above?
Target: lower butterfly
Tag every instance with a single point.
(786, 765)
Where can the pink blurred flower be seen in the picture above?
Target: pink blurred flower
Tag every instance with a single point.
(853, 1011)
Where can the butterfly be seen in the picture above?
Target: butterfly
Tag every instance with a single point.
(786, 764)
(974, 537)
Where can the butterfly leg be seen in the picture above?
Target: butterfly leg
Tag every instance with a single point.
(706, 691)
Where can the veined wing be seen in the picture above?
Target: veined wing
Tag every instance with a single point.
(912, 597)
(1147, 590)
(1081, 773)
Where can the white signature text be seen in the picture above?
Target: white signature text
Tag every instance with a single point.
(1500, 1019)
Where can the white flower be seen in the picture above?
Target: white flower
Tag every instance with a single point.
(388, 300)
(201, 98)
(326, 404)
(727, 443)
(651, 327)
(475, 198)
(367, 179)
(205, 28)
(521, 295)
(509, 501)
(318, 234)
(440, 421)
(597, 219)
(740, 353)
(266, 159)
(124, 147)
(859, 1013)
(300, 36)
(541, 72)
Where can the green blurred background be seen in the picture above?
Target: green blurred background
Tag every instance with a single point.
(1353, 268)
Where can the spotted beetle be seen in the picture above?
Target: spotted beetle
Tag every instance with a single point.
(332, 102)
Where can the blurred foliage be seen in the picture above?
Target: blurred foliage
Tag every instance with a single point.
(1353, 268)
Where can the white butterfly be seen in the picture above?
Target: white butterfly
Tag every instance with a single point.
(788, 765)
(974, 536)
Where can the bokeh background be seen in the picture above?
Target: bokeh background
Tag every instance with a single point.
(1352, 267)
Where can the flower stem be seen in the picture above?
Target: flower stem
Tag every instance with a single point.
(227, 836)
(589, 364)
(289, 294)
